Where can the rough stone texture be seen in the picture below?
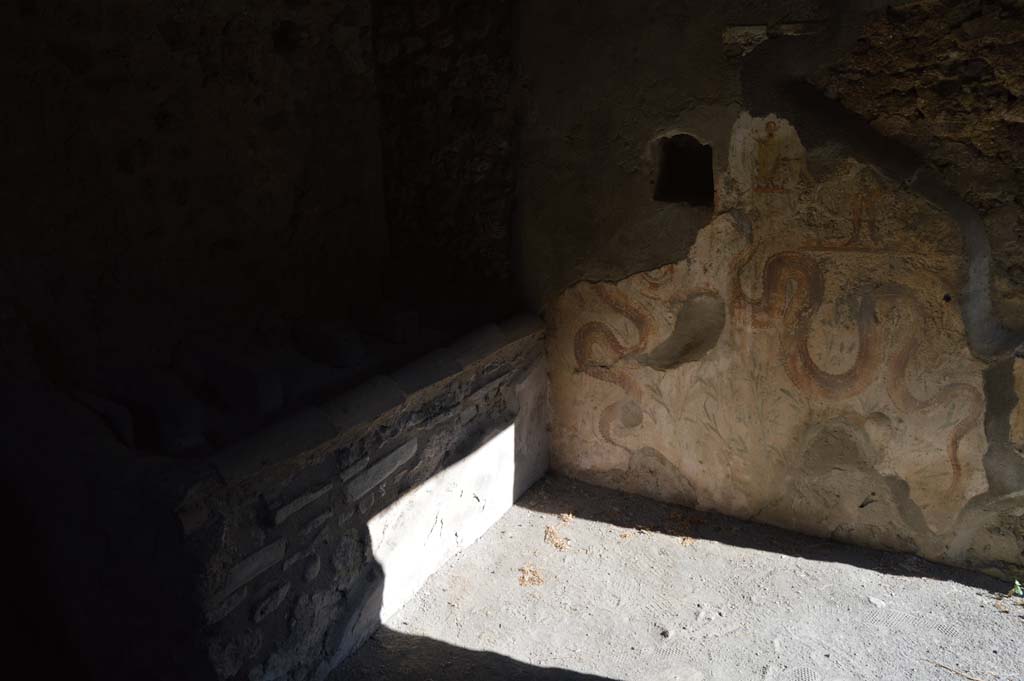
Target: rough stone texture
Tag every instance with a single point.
(251, 567)
(294, 533)
(266, 574)
(839, 397)
(1017, 415)
(292, 507)
(646, 591)
(228, 654)
(358, 486)
(946, 78)
(271, 603)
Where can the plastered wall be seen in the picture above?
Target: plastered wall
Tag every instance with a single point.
(806, 365)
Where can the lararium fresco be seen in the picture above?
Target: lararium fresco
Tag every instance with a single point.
(805, 366)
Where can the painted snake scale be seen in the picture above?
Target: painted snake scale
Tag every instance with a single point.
(792, 293)
(594, 334)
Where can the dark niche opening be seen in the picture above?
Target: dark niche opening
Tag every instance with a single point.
(685, 172)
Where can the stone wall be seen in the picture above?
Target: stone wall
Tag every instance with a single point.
(291, 581)
(263, 562)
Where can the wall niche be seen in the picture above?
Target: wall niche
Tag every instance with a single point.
(685, 171)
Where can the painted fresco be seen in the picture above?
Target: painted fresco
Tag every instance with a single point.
(805, 366)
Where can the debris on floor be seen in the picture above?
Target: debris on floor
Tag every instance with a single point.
(530, 576)
(753, 603)
(551, 536)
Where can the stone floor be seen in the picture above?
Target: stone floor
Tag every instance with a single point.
(578, 582)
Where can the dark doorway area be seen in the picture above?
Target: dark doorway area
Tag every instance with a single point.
(685, 172)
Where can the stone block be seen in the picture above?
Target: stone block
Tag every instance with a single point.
(350, 465)
(362, 618)
(271, 602)
(357, 487)
(312, 568)
(224, 604)
(300, 433)
(348, 557)
(254, 565)
(364, 404)
(316, 523)
(282, 513)
(741, 40)
(294, 559)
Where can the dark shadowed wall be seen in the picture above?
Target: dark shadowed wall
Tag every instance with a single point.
(445, 73)
(186, 169)
(217, 214)
(183, 167)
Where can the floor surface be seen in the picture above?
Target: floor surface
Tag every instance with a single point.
(579, 582)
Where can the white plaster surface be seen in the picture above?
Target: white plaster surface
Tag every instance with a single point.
(414, 537)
